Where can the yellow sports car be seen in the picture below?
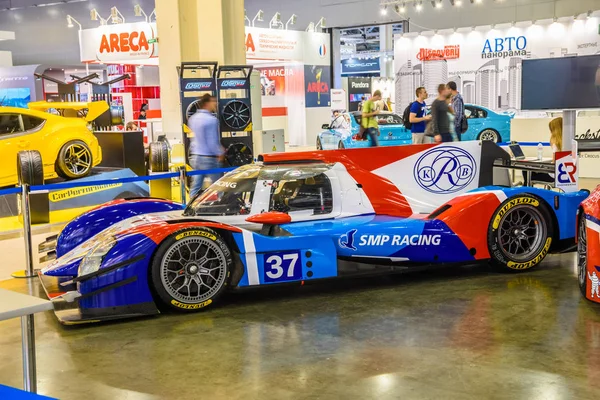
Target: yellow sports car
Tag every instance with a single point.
(67, 146)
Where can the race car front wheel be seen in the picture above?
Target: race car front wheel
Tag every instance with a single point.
(74, 160)
(190, 269)
(520, 233)
(582, 255)
(319, 145)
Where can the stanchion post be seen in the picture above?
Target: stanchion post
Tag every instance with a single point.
(182, 184)
(28, 348)
(25, 209)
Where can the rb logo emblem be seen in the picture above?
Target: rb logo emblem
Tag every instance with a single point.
(566, 172)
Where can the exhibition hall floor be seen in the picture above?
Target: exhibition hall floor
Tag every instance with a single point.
(462, 333)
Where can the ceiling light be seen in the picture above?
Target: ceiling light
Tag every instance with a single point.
(383, 10)
(258, 17)
(458, 3)
(70, 21)
(320, 23)
(439, 4)
(116, 16)
(419, 6)
(291, 21)
(276, 21)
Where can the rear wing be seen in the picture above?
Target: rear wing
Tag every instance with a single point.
(88, 111)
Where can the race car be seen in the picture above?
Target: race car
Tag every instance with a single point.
(588, 247)
(67, 146)
(293, 218)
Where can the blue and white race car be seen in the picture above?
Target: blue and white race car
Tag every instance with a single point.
(300, 217)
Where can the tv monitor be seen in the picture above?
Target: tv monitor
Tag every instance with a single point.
(561, 83)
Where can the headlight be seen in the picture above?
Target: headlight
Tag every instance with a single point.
(91, 263)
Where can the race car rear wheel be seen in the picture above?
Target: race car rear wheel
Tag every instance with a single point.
(582, 255)
(319, 145)
(520, 233)
(190, 269)
(74, 160)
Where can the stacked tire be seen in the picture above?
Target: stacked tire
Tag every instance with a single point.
(159, 157)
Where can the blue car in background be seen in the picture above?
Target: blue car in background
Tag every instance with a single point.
(342, 133)
(485, 124)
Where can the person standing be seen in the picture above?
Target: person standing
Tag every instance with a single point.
(458, 105)
(206, 151)
(417, 116)
(369, 120)
(143, 109)
(439, 116)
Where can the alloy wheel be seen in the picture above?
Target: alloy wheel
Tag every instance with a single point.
(490, 135)
(522, 233)
(78, 159)
(193, 269)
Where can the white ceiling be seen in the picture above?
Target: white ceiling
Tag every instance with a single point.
(342, 13)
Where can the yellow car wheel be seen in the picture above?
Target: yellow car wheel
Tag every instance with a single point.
(74, 160)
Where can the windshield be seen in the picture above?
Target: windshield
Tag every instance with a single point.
(230, 195)
(293, 188)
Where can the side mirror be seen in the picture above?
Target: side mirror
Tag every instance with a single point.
(270, 218)
(325, 126)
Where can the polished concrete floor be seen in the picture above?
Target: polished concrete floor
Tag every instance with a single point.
(461, 333)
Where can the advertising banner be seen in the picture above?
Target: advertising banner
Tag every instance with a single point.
(120, 44)
(567, 174)
(486, 65)
(339, 100)
(272, 79)
(283, 45)
(358, 88)
(354, 66)
(317, 80)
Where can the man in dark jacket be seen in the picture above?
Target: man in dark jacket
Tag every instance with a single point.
(439, 115)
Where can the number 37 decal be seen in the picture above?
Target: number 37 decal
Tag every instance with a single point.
(283, 266)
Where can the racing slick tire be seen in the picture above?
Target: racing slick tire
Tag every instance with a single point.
(30, 169)
(159, 157)
(190, 269)
(74, 160)
(341, 145)
(520, 233)
(582, 255)
(489, 134)
(319, 145)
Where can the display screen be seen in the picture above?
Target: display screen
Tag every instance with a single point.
(15, 97)
(561, 83)
(354, 97)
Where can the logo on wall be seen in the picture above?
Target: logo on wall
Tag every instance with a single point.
(322, 51)
(444, 170)
(119, 43)
(449, 52)
(317, 83)
(505, 47)
(250, 43)
(566, 171)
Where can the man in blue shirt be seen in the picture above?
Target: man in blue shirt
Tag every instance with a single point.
(418, 119)
(206, 151)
